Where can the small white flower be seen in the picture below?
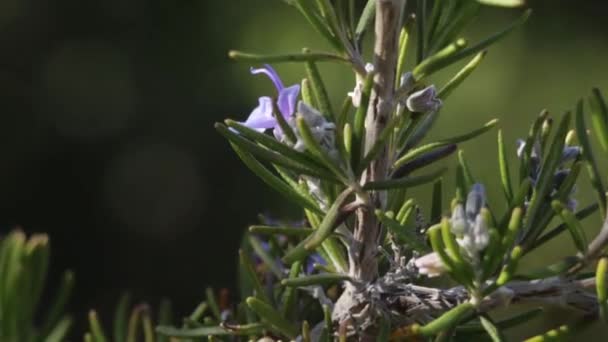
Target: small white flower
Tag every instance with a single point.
(430, 265)
(469, 225)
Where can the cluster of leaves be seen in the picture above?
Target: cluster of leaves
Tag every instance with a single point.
(23, 270)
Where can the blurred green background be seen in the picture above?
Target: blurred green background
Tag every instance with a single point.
(107, 139)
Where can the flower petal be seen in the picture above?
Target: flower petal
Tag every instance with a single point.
(272, 74)
(287, 100)
(261, 117)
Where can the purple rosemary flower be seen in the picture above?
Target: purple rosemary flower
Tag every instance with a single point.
(262, 118)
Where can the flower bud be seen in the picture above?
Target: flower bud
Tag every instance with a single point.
(424, 100)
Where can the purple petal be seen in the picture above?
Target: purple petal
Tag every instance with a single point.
(261, 117)
(287, 100)
(272, 74)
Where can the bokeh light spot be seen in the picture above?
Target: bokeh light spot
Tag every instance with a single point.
(154, 190)
(88, 91)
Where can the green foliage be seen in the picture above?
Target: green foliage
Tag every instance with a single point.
(23, 268)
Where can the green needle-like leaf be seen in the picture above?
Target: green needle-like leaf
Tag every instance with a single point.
(211, 301)
(324, 230)
(202, 332)
(252, 276)
(574, 226)
(462, 75)
(405, 182)
(266, 258)
(439, 60)
(96, 329)
(121, 317)
(545, 182)
(316, 279)
(595, 176)
(285, 58)
(600, 287)
(505, 175)
(448, 320)
(318, 90)
(275, 182)
(492, 330)
(272, 317)
(289, 295)
(599, 117)
(358, 135)
(412, 154)
(60, 331)
(271, 156)
(367, 17)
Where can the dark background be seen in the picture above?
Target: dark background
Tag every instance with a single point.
(107, 140)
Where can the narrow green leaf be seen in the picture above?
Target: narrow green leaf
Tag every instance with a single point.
(448, 320)
(58, 305)
(202, 332)
(461, 76)
(59, 331)
(359, 121)
(252, 276)
(466, 170)
(582, 214)
(289, 295)
(121, 317)
(96, 329)
(594, 173)
(285, 58)
(269, 315)
(404, 233)
(324, 230)
(404, 36)
(165, 317)
(405, 182)
(315, 279)
(266, 258)
(304, 6)
(318, 90)
(271, 156)
(599, 117)
(503, 3)
(147, 326)
(412, 154)
(505, 175)
(453, 251)
(573, 225)
(367, 17)
(328, 323)
(510, 267)
(307, 96)
(504, 324)
(465, 52)
(545, 184)
(378, 145)
(437, 201)
(439, 60)
(275, 182)
(600, 287)
(211, 301)
(492, 330)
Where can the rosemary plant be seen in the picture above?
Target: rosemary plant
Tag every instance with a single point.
(356, 267)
